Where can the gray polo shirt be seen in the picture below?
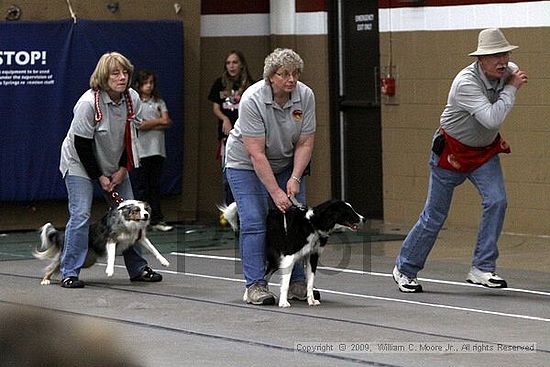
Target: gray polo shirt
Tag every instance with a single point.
(260, 116)
(108, 134)
(477, 107)
(152, 141)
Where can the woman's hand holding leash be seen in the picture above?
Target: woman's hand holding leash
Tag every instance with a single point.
(109, 183)
(280, 198)
(293, 186)
(105, 183)
(118, 177)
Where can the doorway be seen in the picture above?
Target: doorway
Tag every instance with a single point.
(355, 105)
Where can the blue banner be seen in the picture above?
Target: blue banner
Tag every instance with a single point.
(46, 66)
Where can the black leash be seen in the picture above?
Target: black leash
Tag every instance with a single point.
(295, 203)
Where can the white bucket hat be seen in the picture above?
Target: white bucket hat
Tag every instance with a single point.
(492, 41)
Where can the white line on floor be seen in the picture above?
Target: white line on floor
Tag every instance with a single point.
(358, 295)
(361, 272)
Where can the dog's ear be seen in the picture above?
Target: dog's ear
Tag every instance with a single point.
(123, 208)
(325, 215)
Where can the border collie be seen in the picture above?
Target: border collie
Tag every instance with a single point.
(123, 226)
(300, 233)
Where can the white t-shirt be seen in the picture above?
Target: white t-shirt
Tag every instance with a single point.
(152, 142)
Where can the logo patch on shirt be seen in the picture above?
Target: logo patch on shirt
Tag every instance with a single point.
(297, 115)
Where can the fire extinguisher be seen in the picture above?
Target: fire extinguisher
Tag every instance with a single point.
(388, 85)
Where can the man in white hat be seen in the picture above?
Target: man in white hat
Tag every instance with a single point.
(466, 147)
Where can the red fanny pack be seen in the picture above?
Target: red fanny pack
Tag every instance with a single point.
(463, 158)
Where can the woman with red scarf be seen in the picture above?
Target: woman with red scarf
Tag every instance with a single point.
(101, 147)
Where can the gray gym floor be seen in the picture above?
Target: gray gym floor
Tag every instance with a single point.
(196, 315)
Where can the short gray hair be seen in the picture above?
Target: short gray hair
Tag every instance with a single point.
(281, 57)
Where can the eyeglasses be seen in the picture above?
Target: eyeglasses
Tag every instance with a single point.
(286, 75)
(115, 74)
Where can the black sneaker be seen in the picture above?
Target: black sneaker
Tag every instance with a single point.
(72, 282)
(148, 275)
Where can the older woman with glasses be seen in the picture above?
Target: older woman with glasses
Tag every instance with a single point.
(267, 154)
(100, 147)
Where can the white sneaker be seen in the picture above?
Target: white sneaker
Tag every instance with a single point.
(161, 226)
(406, 284)
(485, 278)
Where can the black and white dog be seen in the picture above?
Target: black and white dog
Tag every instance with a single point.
(300, 233)
(123, 226)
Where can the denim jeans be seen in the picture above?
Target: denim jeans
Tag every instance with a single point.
(81, 192)
(227, 194)
(253, 204)
(489, 181)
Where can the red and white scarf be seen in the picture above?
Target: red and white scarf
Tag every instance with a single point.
(130, 135)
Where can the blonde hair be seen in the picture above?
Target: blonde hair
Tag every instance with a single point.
(106, 64)
(282, 57)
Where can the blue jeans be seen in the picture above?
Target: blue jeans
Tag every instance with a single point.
(253, 204)
(81, 192)
(489, 182)
(227, 194)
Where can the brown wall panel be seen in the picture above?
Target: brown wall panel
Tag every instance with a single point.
(213, 53)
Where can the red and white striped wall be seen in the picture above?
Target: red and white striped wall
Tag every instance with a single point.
(309, 17)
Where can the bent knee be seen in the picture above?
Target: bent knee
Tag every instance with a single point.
(500, 202)
(78, 220)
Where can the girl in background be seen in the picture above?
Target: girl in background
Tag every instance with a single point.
(153, 149)
(225, 95)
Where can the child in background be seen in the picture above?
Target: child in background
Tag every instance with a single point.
(225, 95)
(153, 150)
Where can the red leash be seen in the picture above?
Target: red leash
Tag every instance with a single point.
(116, 198)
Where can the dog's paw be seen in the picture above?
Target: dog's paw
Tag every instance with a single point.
(109, 272)
(164, 262)
(45, 282)
(284, 304)
(313, 302)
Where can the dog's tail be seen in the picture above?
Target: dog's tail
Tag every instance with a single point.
(231, 215)
(51, 243)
